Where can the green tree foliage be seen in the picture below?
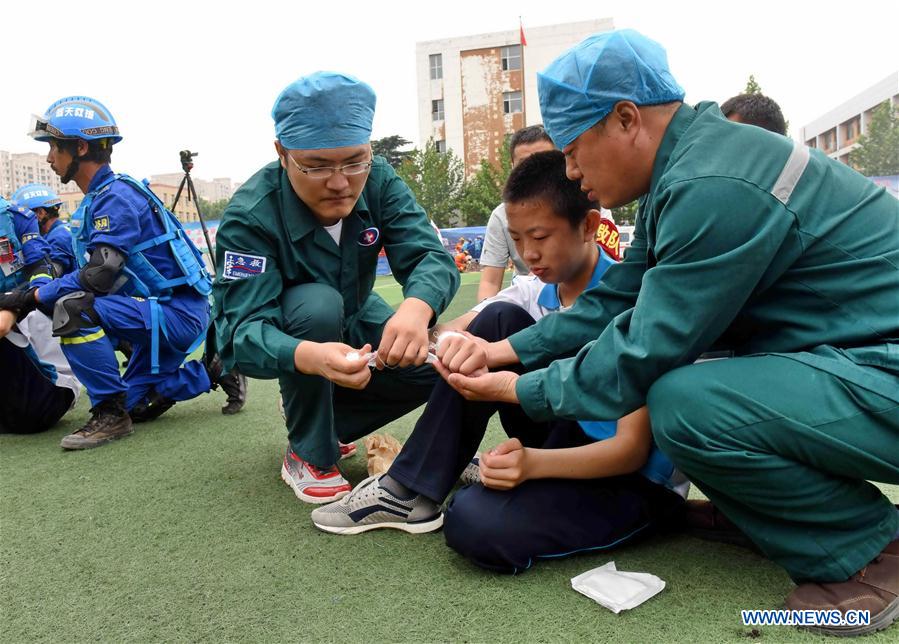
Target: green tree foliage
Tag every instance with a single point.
(751, 86)
(877, 153)
(212, 209)
(437, 180)
(625, 215)
(484, 190)
(389, 148)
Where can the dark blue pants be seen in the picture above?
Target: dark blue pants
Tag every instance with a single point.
(545, 518)
(29, 402)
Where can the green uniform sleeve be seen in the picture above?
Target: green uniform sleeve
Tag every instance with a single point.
(248, 311)
(716, 242)
(565, 333)
(417, 258)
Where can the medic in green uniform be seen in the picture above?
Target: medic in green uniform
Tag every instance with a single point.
(756, 247)
(296, 255)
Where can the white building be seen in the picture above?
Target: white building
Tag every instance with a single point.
(18, 169)
(471, 89)
(836, 133)
(215, 190)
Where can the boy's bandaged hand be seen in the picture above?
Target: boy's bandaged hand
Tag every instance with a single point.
(462, 353)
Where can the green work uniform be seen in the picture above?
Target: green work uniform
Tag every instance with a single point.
(281, 279)
(749, 243)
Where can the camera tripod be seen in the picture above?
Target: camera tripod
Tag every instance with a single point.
(233, 383)
(187, 164)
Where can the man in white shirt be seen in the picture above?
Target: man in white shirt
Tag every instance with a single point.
(499, 247)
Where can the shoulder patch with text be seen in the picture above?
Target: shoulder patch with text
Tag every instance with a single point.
(101, 224)
(239, 266)
(27, 237)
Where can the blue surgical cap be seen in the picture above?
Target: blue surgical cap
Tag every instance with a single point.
(580, 87)
(324, 110)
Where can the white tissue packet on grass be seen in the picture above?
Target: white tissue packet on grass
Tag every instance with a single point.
(617, 590)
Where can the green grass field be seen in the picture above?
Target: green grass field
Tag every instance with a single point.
(184, 532)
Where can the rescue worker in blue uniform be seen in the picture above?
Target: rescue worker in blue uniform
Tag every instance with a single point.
(746, 243)
(24, 253)
(45, 203)
(140, 279)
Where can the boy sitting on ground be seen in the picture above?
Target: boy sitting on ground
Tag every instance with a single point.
(553, 488)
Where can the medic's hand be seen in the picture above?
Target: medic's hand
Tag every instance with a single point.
(405, 339)
(498, 386)
(21, 301)
(506, 465)
(329, 360)
(7, 320)
(462, 352)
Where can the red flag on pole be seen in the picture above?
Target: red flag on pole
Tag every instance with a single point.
(524, 41)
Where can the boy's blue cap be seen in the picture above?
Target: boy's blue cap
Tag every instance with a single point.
(324, 110)
(580, 87)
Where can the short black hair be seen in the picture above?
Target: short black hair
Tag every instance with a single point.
(52, 211)
(98, 151)
(529, 134)
(542, 176)
(756, 109)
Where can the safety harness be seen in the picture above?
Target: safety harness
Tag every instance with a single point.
(139, 277)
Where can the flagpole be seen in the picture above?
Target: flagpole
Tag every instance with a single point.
(524, 102)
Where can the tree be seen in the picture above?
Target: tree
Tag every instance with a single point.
(436, 179)
(751, 86)
(213, 209)
(877, 154)
(625, 215)
(484, 190)
(389, 148)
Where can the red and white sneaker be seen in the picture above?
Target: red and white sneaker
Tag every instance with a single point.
(346, 450)
(312, 484)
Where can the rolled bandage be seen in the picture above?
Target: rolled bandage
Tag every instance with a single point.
(370, 357)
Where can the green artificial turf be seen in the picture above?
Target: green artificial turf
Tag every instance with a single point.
(184, 532)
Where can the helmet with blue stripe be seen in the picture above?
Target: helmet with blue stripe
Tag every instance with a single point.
(36, 195)
(76, 117)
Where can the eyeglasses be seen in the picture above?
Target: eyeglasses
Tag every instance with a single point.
(326, 172)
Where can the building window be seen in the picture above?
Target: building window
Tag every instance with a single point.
(511, 57)
(440, 146)
(511, 102)
(436, 66)
(437, 110)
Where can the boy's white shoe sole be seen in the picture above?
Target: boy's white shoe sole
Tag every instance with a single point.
(411, 528)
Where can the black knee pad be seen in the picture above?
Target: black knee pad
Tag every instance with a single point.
(69, 312)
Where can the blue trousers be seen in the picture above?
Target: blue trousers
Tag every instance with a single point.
(91, 351)
(507, 531)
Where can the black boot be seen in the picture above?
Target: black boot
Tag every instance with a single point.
(155, 407)
(234, 384)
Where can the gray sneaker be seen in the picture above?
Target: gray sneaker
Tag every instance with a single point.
(370, 506)
(471, 475)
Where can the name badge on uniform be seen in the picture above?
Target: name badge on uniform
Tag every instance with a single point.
(369, 236)
(101, 224)
(239, 266)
